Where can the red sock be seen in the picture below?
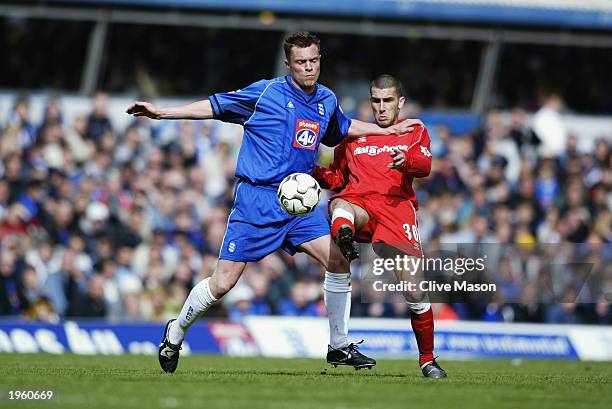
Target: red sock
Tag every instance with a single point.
(339, 222)
(423, 327)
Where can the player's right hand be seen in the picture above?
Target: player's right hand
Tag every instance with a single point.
(141, 108)
(406, 126)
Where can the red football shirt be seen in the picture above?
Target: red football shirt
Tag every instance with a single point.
(360, 165)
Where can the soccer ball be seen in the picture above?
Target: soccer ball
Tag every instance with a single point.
(299, 194)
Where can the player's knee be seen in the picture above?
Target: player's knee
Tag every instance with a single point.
(418, 302)
(338, 204)
(415, 297)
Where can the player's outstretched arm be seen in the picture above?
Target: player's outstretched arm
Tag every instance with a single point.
(196, 110)
(358, 128)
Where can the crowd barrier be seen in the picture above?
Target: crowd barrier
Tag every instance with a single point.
(307, 337)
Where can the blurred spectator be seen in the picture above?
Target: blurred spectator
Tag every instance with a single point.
(66, 284)
(98, 122)
(522, 134)
(97, 224)
(259, 304)
(302, 300)
(20, 122)
(239, 302)
(549, 127)
(12, 297)
(90, 304)
(547, 187)
(76, 140)
(130, 287)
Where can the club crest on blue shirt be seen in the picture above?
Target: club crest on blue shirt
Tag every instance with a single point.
(306, 134)
(321, 109)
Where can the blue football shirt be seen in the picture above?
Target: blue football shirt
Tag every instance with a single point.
(283, 127)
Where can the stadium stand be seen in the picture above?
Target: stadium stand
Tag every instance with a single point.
(104, 222)
(105, 218)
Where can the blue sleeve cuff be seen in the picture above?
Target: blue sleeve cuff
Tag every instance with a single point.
(215, 105)
(348, 126)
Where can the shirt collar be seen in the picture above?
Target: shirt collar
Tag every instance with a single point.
(298, 90)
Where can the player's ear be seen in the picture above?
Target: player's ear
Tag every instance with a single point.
(401, 101)
(286, 63)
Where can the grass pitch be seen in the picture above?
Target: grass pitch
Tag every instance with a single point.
(223, 382)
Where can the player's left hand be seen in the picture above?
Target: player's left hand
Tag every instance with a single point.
(399, 159)
(406, 126)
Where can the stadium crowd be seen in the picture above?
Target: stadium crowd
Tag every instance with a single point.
(100, 222)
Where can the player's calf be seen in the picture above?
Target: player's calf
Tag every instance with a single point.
(224, 278)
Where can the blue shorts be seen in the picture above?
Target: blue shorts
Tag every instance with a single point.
(258, 226)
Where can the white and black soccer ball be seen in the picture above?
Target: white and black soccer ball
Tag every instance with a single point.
(299, 194)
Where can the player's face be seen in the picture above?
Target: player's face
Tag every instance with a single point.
(386, 105)
(305, 66)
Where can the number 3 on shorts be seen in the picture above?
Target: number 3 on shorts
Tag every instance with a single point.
(412, 231)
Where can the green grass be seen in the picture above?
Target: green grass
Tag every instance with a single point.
(222, 382)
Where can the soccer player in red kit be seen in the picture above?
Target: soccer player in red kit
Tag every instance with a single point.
(377, 203)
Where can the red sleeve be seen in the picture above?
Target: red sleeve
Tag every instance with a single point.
(336, 176)
(418, 158)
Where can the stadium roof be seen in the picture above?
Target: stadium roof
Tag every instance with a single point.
(591, 14)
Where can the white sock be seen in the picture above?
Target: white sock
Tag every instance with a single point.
(338, 302)
(338, 212)
(199, 300)
(419, 307)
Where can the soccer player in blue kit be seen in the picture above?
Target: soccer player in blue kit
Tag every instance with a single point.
(284, 119)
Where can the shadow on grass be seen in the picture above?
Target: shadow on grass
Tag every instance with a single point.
(311, 373)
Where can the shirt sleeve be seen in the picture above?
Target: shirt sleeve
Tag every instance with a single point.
(237, 106)
(418, 157)
(338, 127)
(336, 176)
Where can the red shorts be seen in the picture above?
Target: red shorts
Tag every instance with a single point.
(392, 221)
